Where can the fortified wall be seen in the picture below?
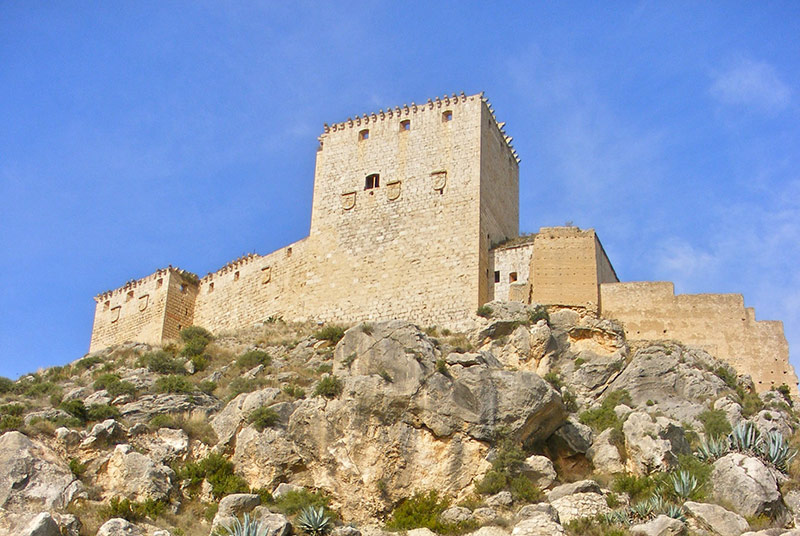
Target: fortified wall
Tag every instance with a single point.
(415, 216)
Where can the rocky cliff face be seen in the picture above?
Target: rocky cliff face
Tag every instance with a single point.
(530, 423)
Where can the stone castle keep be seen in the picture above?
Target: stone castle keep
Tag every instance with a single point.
(415, 215)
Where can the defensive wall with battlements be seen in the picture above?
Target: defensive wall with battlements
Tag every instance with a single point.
(415, 215)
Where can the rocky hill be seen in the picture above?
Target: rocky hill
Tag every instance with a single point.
(534, 422)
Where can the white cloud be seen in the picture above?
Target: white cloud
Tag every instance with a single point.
(752, 84)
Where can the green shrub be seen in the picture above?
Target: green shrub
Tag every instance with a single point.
(329, 387)
(207, 386)
(75, 408)
(41, 389)
(243, 385)
(10, 422)
(133, 511)
(161, 362)
(484, 311)
(421, 510)
(210, 512)
(6, 385)
(715, 423)
(12, 409)
(294, 391)
(253, 358)
(104, 380)
(174, 384)
(570, 402)
(554, 380)
(88, 362)
(113, 385)
(637, 487)
(589, 526)
(727, 376)
(101, 412)
(77, 467)
(523, 490)
(491, 483)
(538, 313)
(385, 376)
(218, 471)
(604, 417)
(195, 339)
(330, 333)
(750, 401)
(163, 420)
(783, 389)
(441, 366)
(263, 418)
(199, 362)
(324, 368)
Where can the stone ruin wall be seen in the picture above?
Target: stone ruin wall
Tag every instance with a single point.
(139, 310)
(509, 270)
(568, 266)
(718, 323)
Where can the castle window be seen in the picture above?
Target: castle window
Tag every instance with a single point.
(288, 252)
(210, 288)
(130, 296)
(447, 116)
(182, 287)
(405, 125)
(372, 181)
(497, 277)
(159, 282)
(106, 306)
(236, 276)
(363, 135)
(512, 277)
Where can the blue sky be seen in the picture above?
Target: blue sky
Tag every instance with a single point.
(134, 135)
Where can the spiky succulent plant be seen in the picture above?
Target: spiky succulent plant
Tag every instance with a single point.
(711, 449)
(313, 521)
(683, 484)
(777, 451)
(248, 527)
(745, 438)
(674, 511)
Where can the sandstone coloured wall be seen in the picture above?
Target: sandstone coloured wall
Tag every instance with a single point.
(718, 323)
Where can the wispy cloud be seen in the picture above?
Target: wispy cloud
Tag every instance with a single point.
(751, 84)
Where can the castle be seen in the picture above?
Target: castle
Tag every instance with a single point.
(415, 215)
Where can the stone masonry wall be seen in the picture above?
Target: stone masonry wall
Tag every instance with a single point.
(568, 266)
(718, 323)
(134, 312)
(511, 264)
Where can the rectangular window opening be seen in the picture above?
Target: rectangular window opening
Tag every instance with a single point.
(363, 135)
(236, 276)
(512, 277)
(372, 181)
(447, 116)
(405, 125)
(130, 296)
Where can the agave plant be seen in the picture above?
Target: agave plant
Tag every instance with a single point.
(313, 521)
(250, 527)
(745, 438)
(712, 449)
(674, 511)
(642, 509)
(683, 484)
(616, 517)
(657, 503)
(776, 450)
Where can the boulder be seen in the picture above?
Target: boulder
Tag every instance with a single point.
(485, 515)
(747, 484)
(660, 526)
(42, 525)
(50, 414)
(678, 379)
(135, 476)
(580, 505)
(456, 514)
(533, 510)
(714, 520)
(653, 444)
(237, 504)
(540, 470)
(108, 432)
(537, 524)
(227, 422)
(285, 488)
(581, 486)
(604, 454)
(32, 477)
(502, 499)
(573, 437)
(265, 458)
(148, 406)
(489, 531)
(119, 527)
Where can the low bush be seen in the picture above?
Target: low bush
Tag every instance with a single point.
(329, 387)
(263, 418)
(113, 385)
(77, 467)
(421, 510)
(195, 339)
(523, 490)
(243, 385)
(491, 483)
(294, 501)
(715, 423)
(75, 408)
(330, 333)
(637, 487)
(101, 412)
(174, 384)
(88, 362)
(554, 380)
(134, 511)
(484, 311)
(161, 362)
(6, 385)
(10, 422)
(538, 313)
(218, 471)
(41, 389)
(604, 417)
(293, 391)
(253, 358)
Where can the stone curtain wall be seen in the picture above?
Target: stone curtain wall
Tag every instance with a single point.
(507, 260)
(568, 266)
(134, 312)
(718, 323)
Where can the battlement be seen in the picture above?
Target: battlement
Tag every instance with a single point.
(134, 283)
(407, 112)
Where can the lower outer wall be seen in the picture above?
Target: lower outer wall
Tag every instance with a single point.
(718, 323)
